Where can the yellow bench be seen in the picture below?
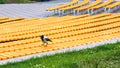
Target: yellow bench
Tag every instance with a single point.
(76, 6)
(85, 8)
(38, 34)
(38, 23)
(62, 6)
(72, 20)
(89, 38)
(3, 18)
(11, 19)
(17, 22)
(112, 7)
(70, 9)
(98, 8)
(74, 35)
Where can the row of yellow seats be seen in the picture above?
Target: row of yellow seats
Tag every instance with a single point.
(85, 31)
(42, 24)
(17, 23)
(36, 21)
(78, 31)
(4, 18)
(62, 6)
(81, 4)
(71, 38)
(22, 25)
(113, 5)
(45, 21)
(86, 36)
(11, 19)
(66, 34)
(102, 5)
(20, 33)
(37, 34)
(114, 30)
(25, 22)
(58, 30)
(97, 2)
(39, 49)
(30, 29)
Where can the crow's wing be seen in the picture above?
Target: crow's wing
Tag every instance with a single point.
(48, 39)
(41, 39)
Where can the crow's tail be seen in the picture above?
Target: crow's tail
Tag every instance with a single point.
(49, 40)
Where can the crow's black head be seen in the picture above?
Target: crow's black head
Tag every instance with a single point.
(42, 36)
(45, 39)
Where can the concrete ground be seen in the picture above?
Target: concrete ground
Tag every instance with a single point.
(25, 10)
(29, 10)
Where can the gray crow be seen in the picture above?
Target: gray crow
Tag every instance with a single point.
(45, 39)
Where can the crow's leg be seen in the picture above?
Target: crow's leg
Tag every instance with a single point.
(46, 44)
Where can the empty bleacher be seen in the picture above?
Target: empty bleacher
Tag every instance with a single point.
(68, 10)
(85, 8)
(21, 37)
(89, 7)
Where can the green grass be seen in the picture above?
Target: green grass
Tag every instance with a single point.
(15, 1)
(107, 56)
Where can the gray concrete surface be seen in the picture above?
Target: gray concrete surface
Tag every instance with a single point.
(25, 10)
(29, 10)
